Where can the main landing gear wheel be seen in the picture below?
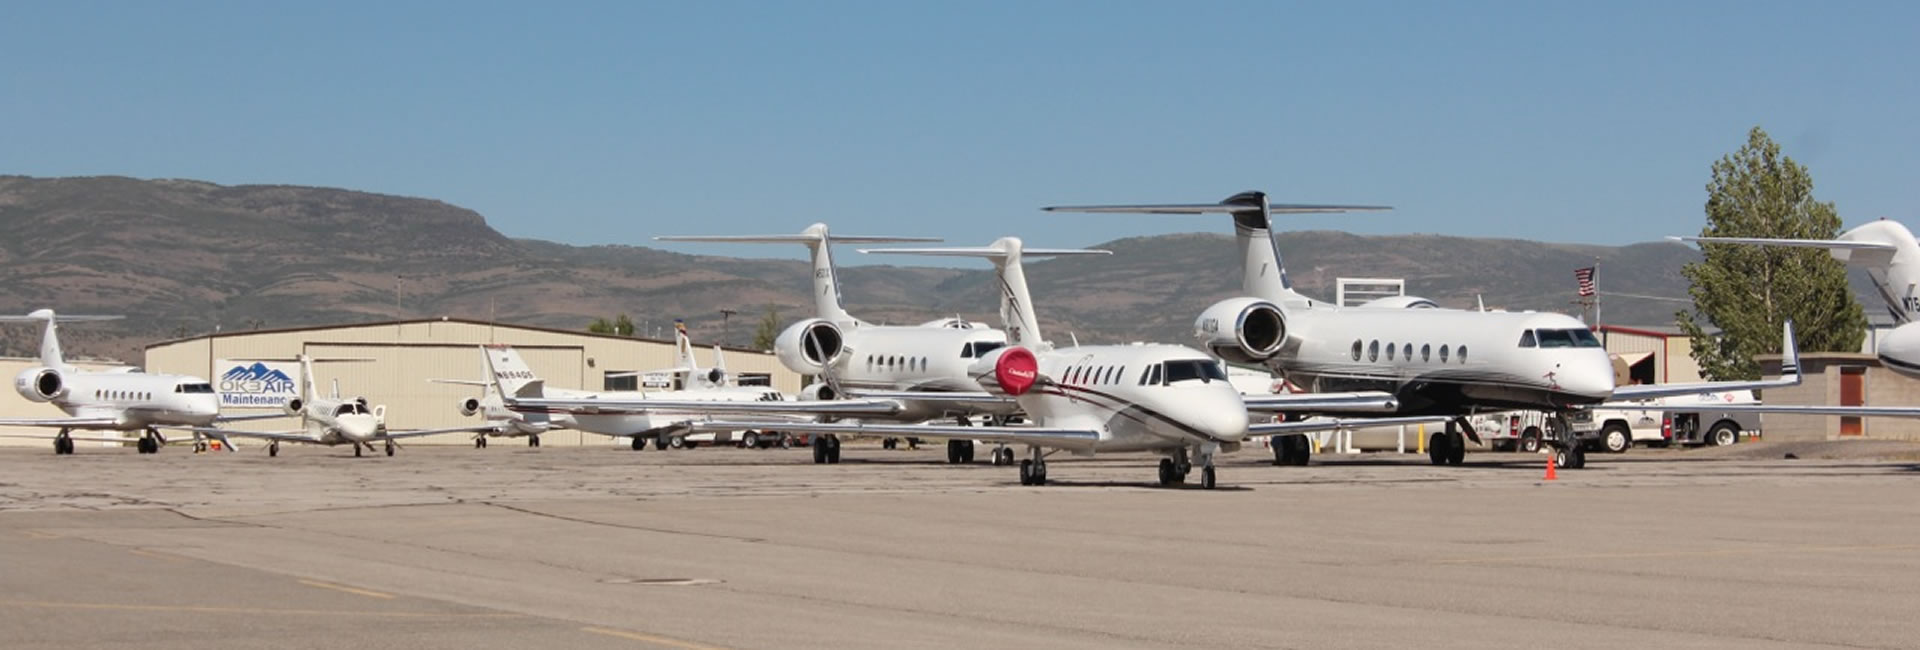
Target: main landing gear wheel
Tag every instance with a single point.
(889, 443)
(959, 452)
(1457, 449)
(480, 442)
(833, 450)
(389, 447)
(1002, 456)
(1292, 450)
(1169, 474)
(273, 449)
(1437, 448)
(1566, 457)
(63, 443)
(1033, 471)
(532, 441)
(819, 450)
(356, 450)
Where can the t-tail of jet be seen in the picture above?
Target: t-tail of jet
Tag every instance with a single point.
(819, 243)
(1016, 303)
(50, 355)
(510, 374)
(1261, 272)
(1886, 249)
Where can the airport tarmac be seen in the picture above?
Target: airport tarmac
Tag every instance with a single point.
(726, 548)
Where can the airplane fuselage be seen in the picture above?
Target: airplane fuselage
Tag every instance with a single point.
(928, 358)
(1447, 361)
(139, 400)
(1138, 397)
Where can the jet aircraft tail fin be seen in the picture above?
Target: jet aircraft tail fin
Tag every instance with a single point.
(1261, 273)
(1016, 302)
(826, 284)
(50, 354)
(509, 373)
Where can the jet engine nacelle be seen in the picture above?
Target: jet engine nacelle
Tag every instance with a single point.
(469, 406)
(293, 406)
(818, 391)
(717, 377)
(809, 346)
(1007, 372)
(40, 384)
(1242, 330)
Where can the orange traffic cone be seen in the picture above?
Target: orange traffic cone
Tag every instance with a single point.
(1550, 456)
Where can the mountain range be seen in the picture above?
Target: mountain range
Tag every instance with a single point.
(183, 257)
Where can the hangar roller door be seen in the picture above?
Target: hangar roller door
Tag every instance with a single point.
(398, 376)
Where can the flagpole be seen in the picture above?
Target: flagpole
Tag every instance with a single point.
(1596, 293)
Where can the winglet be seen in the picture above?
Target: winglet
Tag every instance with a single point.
(1789, 355)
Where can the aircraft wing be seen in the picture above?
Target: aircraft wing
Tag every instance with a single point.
(1336, 424)
(415, 433)
(284, 436)
(1356, 402)
(602, 406)
(1795, 409)
(1051, 437)
(1789, 376)
(73, 423)
(934, 396)
(49, 437)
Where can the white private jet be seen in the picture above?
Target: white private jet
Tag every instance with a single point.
(926, 359)
(1107, 398)
(1891, 257)
(1435, 361)
(660, 415)
(330, 420)
(118, 399)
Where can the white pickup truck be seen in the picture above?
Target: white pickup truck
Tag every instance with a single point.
(1618, 427)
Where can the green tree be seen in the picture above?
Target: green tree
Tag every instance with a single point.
(1749, 291)
(769, 329)
(619, 326)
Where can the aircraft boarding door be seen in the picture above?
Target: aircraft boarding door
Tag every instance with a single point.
(1853, 383)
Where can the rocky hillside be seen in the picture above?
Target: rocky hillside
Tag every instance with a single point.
(184, 257)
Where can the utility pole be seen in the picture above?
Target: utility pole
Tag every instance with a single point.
(725, 316)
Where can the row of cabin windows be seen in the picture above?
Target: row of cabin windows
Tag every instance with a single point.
(121, 394)
(887, 362)
(1095, 374)
(1372, 350)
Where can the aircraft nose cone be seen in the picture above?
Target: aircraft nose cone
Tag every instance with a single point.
(1226, 418)
(1589, 378)
(359, 427)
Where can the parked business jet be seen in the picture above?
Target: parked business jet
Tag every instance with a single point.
(1891, 257)
(1168, 399)
(925, 359)
(118, 399)
(330, 420)
(1435, 361)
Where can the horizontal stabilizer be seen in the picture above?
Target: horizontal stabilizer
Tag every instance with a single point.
(1801, 243)
(987, 251)
(43, 316)
(1214, 208)
(797, 239)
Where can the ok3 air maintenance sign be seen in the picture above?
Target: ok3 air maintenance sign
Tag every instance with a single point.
(255, 384)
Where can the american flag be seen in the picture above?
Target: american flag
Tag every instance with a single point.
(1585, 278)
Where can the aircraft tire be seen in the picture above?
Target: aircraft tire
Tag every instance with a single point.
(1457, 449)
(1437, 448)
(389, 448)
(1207, 479)
(1166, 471)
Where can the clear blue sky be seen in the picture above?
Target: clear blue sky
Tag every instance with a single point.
(611, 123)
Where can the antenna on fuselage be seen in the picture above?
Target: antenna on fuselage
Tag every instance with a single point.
(819, 242)
(1016, 302)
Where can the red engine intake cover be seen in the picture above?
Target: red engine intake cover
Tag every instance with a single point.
(1016, 370)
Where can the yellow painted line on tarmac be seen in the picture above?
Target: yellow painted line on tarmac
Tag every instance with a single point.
(203, 609)
(156, 555)
(1679, 554)
(648, 638)
(351, 590)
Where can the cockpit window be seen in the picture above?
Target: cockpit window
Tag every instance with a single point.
(981, 349)
(1186, 369)
(1568, 338)
(1526, 339)
(193, 388)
